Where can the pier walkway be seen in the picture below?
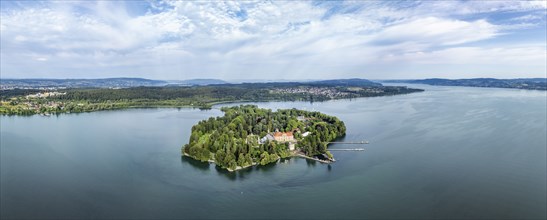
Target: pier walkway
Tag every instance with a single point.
(347, 149)
(316, 159)
(349, 142)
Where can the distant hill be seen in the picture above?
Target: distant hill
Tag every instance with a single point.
(521, 83)
(322, 83)
(346, 82)
(79, 83)
(197, 82)
(136, 82)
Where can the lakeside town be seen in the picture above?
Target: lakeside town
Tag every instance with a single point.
(332, 93)
(328, 92)
(34, 103)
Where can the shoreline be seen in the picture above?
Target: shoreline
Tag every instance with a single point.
(213, 162)
(206, 106)
(293, 154)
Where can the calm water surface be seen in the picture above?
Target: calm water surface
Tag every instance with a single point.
(449, 152)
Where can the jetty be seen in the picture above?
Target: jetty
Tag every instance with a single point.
(349, 142)
(316, 159)
(347, 149)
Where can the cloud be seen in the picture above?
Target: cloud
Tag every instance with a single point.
(435, 31)
(533, 54)
(529, 17)
(294, 39)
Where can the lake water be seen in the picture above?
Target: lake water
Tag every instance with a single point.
(448, 152)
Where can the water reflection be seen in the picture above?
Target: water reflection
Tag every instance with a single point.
(225, 173)
(195, 163)
(242, 174)
(237, 175)
(265, 168)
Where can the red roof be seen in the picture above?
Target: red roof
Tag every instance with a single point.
(279, 134)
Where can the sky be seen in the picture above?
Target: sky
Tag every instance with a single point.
(273, 40)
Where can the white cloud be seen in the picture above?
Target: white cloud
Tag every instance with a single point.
(437, 31)
(183, 39)
(479, 7)
(529, 17)
(532, 54)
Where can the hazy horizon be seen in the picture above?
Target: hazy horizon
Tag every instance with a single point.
(273, 40)
(253, 80)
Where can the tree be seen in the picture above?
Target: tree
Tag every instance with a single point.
(273, 158)
(329, 155)
(228, 159)
(219, 157)
(264, 158)
(232, 165)
(241, 160)
(205, 155)
(248, 159)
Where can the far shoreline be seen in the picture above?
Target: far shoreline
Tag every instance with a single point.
(214, 105)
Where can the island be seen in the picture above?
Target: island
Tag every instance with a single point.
(18, 99)
(247, 135)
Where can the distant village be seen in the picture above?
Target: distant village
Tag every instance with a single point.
(37, 102)
(45, 94)
(328, 92)
(332, 93)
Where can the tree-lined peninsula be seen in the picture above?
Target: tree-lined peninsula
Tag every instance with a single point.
(54, 100)
(247, 135)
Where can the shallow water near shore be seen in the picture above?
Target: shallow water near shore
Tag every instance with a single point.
(448, 152)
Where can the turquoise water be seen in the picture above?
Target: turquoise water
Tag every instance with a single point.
(449, 152)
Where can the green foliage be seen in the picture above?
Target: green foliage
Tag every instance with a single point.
(264, 158)
(329, 155)
(234, 137)
(202, 97)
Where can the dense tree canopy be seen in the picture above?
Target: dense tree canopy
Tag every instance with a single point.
(234, 139)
